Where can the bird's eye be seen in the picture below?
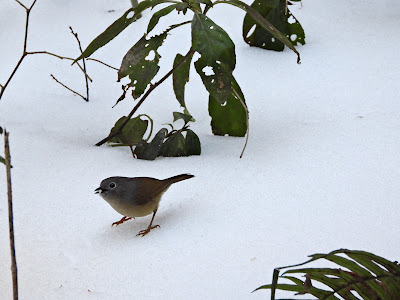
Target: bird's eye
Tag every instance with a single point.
(112, 185)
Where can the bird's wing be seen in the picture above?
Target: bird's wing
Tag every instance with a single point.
(149, 188)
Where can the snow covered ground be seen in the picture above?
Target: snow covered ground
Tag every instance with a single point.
(321, 170)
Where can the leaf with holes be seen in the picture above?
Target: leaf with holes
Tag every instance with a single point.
(118, 26)
(276, 12)
(229, 118)
(132, 133)
(180, 77)
(141, 63)
(150, 151)
(218, 59)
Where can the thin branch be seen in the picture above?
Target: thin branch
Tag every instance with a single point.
(247, 120)
(84, 63)
(68, 88)
(102, 63)
(10, 216)
(60, 57)
(22, 5)
(152, 87)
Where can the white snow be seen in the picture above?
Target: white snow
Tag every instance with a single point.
(321, 170)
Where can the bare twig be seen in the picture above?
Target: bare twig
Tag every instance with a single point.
(84, 63)
(152, 87)
(60, 57)
(10, 216)
(68, 88)
(102, 63)
(247, 120)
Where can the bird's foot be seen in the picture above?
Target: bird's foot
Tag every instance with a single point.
(147, 230)
(121, 221)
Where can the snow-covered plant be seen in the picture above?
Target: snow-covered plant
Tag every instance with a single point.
(268, 24)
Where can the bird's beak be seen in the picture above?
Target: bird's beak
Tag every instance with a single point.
(98, 191)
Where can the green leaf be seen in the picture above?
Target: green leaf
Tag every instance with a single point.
(118, 26)
(150, 151)
(132, 133)
(182, 6)
(174, 146)
(192, 143)
(218, 59)
(141, 63)
(264, 24)
(156, 16)
(229, 118)
(180, 77)
(180, 116)
(280, 17)
(2, 160)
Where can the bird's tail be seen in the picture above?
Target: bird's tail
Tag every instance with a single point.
(178, 178)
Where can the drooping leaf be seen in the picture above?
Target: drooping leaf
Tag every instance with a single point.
(229, 118)
(118, 26)
(180, 116)
(276, 12)
(150, 151)
(182, 7)
(180, 77)
(132, 133)
(156, 16)
(369, 275)
(192, 143)
(217, 61)
(174, 146)
(140, 63)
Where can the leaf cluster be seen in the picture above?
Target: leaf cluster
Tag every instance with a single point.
(365, 275)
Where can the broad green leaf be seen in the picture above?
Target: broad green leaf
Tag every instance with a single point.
(280, 17)
(180, 77)
(217, 61)
(192, 143)
(180, 116)
(150, 151)
(141, 63)
(174, 146)
(118, 26)
(156, 16)
(264, 24)
(132, 133)
(229, 118)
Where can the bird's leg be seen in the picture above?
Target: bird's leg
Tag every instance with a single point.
(121, 221)
(147, 230)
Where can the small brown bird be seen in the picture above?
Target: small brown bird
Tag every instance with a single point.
(136, 196)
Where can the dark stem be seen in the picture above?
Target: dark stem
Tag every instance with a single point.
(10, 217)
(84, 63)
(152, 87)
(68, 88)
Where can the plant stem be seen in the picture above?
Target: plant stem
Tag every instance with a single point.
(84, 64)
(10, 216)
(68, 88)
(152, 87)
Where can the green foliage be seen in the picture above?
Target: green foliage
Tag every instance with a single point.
(215, 66)
(229, 118)
(277, 13)
(369, 275)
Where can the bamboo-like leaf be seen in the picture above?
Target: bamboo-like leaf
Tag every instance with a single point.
(180, 77)
(218, 60)
(369, 275)
(118, 26)
(156, 16)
